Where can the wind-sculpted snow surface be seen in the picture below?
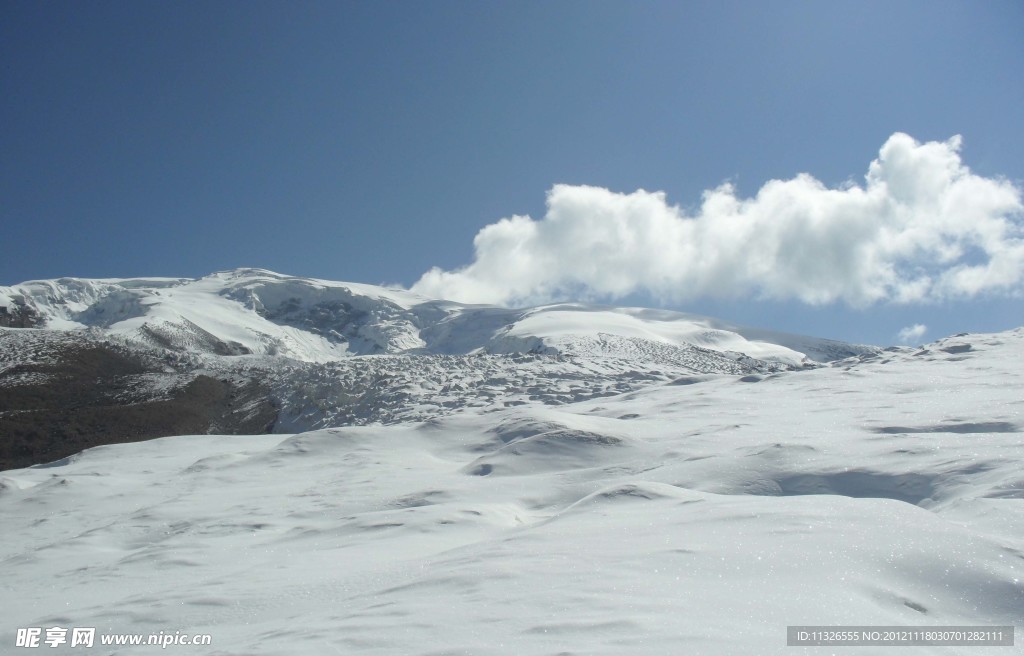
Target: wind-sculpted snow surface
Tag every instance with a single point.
(698, 514)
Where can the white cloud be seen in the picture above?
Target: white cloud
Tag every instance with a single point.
(921, 228)
(913, 333)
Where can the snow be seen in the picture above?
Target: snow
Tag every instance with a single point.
(265, 313)
(560, 326)
(695, 515)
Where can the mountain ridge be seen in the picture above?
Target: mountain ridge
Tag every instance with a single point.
(263, 312)
(87, 362)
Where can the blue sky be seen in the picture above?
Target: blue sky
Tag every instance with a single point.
(373, 141)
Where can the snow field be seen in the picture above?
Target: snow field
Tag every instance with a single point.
(701, 518)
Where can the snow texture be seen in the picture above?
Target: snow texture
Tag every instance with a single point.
(563, 480)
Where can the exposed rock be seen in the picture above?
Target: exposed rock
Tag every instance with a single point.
(64, 395)
(20, 314)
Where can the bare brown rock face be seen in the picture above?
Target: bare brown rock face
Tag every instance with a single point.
(61, 393)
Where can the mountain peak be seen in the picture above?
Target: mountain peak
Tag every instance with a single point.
(262, 312)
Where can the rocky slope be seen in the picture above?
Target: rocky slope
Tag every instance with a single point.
(88, 362)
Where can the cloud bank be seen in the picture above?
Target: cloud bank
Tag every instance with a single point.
(921, 228)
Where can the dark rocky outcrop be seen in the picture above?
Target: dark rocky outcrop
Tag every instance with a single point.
(60, 396)
(19, 314)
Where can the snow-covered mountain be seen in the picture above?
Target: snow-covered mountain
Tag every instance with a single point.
(253, 311)
(459, 479)
(248, 350)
